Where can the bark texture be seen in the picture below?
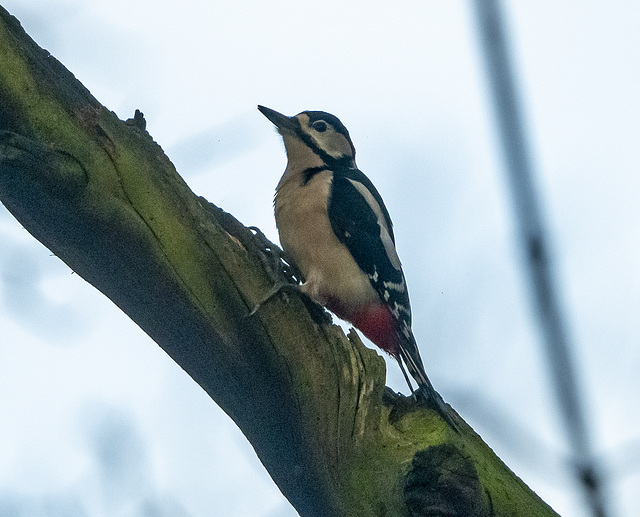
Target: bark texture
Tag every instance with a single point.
(102, 196)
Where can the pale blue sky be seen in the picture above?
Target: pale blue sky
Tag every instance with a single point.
(98, 421)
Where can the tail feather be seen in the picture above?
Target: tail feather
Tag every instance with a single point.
(426, 393)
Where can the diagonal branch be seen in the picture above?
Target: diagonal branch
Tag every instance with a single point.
(102, 196)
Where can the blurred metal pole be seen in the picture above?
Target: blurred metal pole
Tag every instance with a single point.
(532, 232)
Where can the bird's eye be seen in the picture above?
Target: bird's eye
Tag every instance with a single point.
(320, 126)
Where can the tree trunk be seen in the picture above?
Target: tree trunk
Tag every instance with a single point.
(102, 196)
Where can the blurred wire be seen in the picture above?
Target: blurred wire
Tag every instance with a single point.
(532, 232)
(517, 439)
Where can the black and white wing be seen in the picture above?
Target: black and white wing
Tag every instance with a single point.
(361, 221)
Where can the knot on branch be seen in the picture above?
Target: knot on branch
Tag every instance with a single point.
(138, 121)
(444, 482)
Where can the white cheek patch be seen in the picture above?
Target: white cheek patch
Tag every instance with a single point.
(385, 235)
(334, 144)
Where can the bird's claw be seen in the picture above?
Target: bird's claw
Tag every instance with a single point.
(276, 289)
(274, 260)
(317, 312)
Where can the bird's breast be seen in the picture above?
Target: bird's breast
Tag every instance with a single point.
(308, 239)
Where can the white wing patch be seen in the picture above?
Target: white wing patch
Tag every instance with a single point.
(401, 287)
(385, 234)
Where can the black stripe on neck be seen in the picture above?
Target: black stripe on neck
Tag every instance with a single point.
(310, 172)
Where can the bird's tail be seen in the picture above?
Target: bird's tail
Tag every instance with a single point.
(425, 393)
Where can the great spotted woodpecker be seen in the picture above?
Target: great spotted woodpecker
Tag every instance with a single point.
(335, 228)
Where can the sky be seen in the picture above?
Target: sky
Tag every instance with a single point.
(98, 421)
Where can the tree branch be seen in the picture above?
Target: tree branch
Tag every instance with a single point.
(102, 196)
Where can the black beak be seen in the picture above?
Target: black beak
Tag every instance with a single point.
(282, 122)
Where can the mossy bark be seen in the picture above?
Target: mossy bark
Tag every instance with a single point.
(102, 196)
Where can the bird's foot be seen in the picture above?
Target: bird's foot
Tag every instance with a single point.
(316, 310)
(274, 260)
(275, 290)
(284, 275)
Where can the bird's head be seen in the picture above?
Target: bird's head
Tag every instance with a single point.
(317, 132)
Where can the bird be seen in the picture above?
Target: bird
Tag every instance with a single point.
(336, 230)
